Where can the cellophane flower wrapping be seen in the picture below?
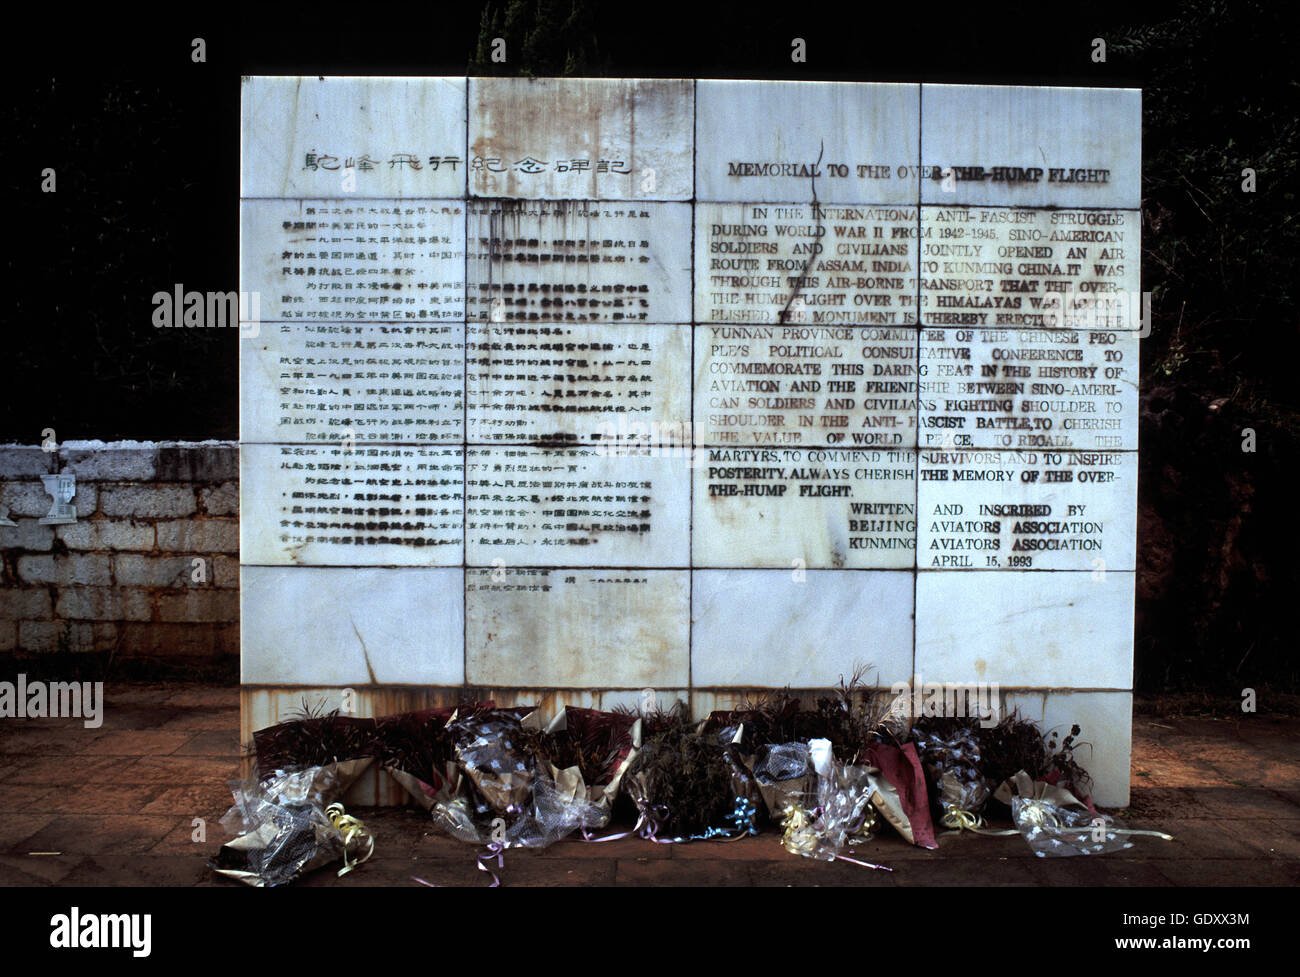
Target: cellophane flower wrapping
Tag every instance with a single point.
(482, 798)
(496, 749)
(282, 826)
(308, 786)
(510, 795)
(588, 752)
(842, 817)
(289, 842)
(279, 816)
(489, 776)
(953, 766)
(785, 776)
(1057, 824)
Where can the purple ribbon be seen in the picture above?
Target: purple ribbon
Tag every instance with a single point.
(845, 858)
(494, 848)
(647, 826)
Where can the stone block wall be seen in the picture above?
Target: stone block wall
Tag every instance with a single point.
(149, 572)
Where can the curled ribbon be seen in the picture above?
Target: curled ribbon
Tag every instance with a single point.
(800, 837)
(647, 826)
(649, 822)
(1036, 814)
(959, 820)
(863, 834)
(494, 848)
(744, 817)
(352, 830)
(743, 820)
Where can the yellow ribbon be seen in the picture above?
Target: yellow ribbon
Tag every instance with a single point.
(351, 829)
(863, 835)
(799, 838)
(959, 820)
(1140, 831)
(1035, 813)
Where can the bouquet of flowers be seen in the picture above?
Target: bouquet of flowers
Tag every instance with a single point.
(285, 838)
(843, 817)
(494, 751)
(339, 748)
(587, 755)
(950, 756)
(689, 786)
(418, 752)
(288, 819)
(1055, 823)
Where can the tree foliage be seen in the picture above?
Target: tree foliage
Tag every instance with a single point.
(544, 38)
(1215, 544)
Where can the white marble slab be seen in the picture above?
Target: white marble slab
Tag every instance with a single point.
(762, 140)
(804, 509)
(607, 383)
(351, 626)
(578, 261)
(1105, 743)
(532, 506)
(581, 138)
(764, 628)
(376, 505)
(1014, 510)
(1016, 267)
(795, 263)
(354, 260)
(398, 137)
(805, 385)
(1028, 630)
(1086, 144)
(1048, 389)
(312, 382)
(578, 628)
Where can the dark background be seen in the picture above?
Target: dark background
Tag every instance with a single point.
(145, 144)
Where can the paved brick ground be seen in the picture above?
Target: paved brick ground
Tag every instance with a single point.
(115, 806)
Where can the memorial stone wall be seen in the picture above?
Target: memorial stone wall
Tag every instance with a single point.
(559, 390)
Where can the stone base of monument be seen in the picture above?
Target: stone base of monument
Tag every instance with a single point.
(1102, 749)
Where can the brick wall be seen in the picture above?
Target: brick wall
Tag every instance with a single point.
(122, 579)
